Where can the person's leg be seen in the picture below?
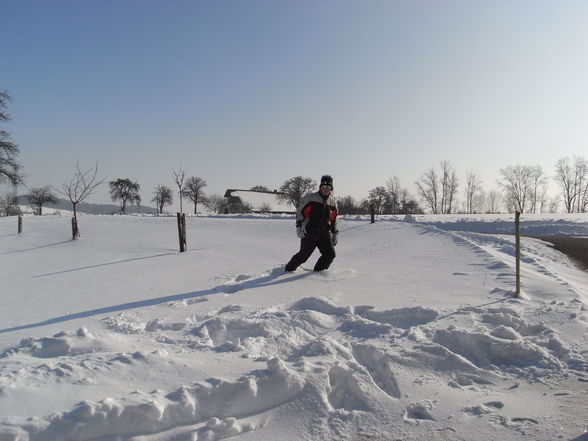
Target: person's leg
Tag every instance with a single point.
(307, 246)
(327, 250)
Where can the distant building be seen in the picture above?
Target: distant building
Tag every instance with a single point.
(252, 201)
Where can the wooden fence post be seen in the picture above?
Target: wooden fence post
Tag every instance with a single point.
(182, 231)
(19, 224)
(373, 213)
(518, 253)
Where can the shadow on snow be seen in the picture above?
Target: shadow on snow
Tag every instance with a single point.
(272, 279)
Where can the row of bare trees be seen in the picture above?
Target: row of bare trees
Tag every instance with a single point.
(191, 188)
(389, 199)
(522, 188)
(392, 198)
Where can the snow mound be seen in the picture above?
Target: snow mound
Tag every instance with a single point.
(485, 350)
(319, 304)
(313, 349)
(401, 318)
(216, 405)
(63, 343)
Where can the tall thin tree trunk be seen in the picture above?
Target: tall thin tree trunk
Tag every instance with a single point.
(76, 230)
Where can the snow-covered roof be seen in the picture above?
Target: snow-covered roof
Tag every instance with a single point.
(261, 200)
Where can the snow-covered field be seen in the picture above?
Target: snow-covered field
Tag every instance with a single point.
(413, 334)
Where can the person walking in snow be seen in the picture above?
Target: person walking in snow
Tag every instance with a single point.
(316, 226)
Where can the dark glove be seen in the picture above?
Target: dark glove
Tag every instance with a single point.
(335, 238)
(300, 232)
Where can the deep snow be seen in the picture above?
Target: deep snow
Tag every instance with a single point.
(412, 334)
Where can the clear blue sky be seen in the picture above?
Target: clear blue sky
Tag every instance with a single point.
(252, 92)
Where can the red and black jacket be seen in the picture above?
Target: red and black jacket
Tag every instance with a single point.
(317, 215)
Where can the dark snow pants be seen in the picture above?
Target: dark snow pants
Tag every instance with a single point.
(307, 247)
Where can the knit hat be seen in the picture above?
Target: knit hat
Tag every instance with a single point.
(327, 180)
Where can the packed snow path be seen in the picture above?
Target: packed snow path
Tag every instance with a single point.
(412, 334)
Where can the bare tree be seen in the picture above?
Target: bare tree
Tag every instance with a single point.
(494, 201)
(391, 199)
(137, 200)
(395, 193)
(473, 188)
(194, 190)
(124, 190)
(294, 189)
(582, 173)
(439, 191)
(379, 199)
(583, 199)
(216, 203)
(9, 205)
(573, 180)
(264, 208)
(347, 205)
(408, 205)
(538, 194)
(428, 189)
(81, 185)
(260, 188)
(449, 184)
(179, 178)
(553, 206)
(162, 196)
(480, 201)
(10, 169)
(517, 182)
(40, 196)
(565, 177)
